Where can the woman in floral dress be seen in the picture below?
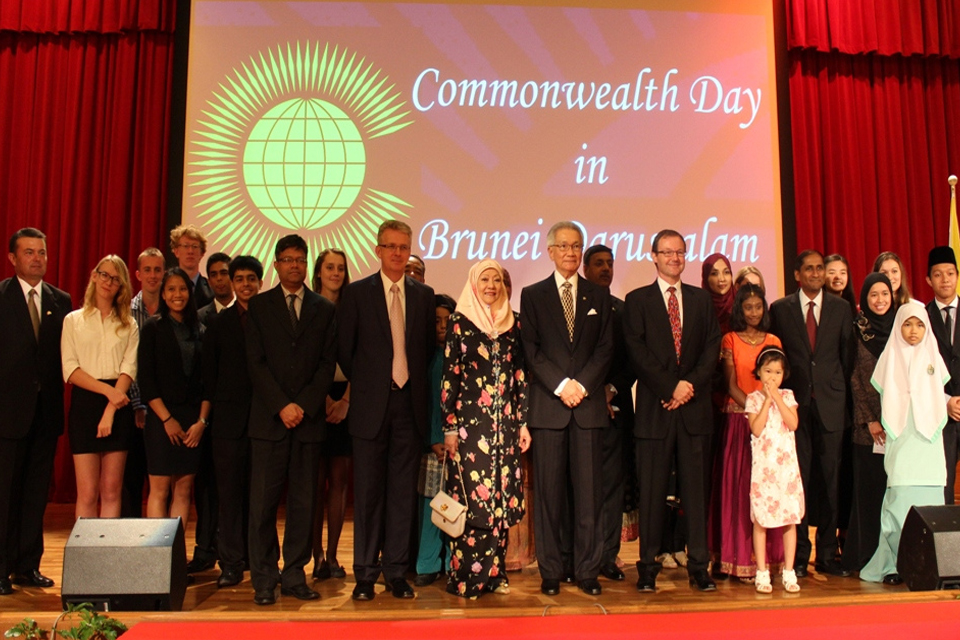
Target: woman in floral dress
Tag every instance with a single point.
(484, 403)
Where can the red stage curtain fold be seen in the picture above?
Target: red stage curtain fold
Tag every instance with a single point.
(98, 16)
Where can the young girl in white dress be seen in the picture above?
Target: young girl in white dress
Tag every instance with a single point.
(776, 491)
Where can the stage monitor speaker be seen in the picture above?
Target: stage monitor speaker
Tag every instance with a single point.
(929, 554)
(126, 564)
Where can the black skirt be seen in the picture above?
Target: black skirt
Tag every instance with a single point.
(164, 458)
(339, 443)
(86, 409)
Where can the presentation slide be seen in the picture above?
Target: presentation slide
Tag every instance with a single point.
(481, 125)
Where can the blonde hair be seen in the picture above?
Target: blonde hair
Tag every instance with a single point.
(191, 232)
(121, 301)
(738, 281)
(394, 225)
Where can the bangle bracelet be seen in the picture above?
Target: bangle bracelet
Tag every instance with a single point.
(169, 418)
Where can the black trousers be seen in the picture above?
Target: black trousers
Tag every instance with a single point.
(134, 477)
(819, 455)
(274, 465)
(951, 440)
(231, 459)
(869, 486)
(385, 471)
(206, 502)
(613, 490)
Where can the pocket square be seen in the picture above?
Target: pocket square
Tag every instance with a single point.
(592, 312)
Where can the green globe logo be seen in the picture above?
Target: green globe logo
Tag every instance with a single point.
(304, 163)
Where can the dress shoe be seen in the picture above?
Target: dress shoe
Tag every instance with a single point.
(590, 587)
(229, 578)
(611, 571)
(337, 571)
(32, 579)
(801, 571)
(892, 579)
(300, 592)
(703, 581)
(832, 568)
(5, 587)
(363, 591)
(265, 596)
(647, 582)
(321, 570)
(550, 587)
(400, 588)
(426, 579)
(199, 565)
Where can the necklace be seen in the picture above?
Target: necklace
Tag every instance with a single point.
(752, 341)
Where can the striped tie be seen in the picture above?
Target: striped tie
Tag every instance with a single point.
(567, 298)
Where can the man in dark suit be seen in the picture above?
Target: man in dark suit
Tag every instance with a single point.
(387, 325)
(31, 397)
(942, 278)
(619, 461)
(568, 344)
(673, 340)
(817, 332)
(291, 357)
(189, 245)
(205, 494)
(226, 384)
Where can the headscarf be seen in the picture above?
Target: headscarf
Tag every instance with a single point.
(722, 303)
(873, 330)
(491, 319)
(911, 378)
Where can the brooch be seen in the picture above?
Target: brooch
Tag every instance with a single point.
(929, 369)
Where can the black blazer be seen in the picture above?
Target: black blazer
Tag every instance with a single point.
(29, 367)
(950, 354)
(206, 313)
(649, 340)
(621, 373)
(366, 351)
(551, 356)
(226, 380)
(825, 371)
(160, 367)
(288, 365)
(202, 293)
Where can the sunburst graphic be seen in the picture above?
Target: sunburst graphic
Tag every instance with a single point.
(282, 147)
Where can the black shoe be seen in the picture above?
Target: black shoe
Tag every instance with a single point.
(718, 574)
(5, 587)
(229, 578)
(426, 579)
(199, 565)
(703, 581)
(647, 583)
(336, 571)
(611, 571)
(300, 592)
(321, 570)
(32, 579)
(801, 571)
(590, 587)
(893, 579)
(550, 587)
(363, 591)
(191, 579)
(265, 596)
(400, 588)
(832, 568)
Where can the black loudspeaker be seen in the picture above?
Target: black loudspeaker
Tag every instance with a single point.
(929, 554)
(126, 564)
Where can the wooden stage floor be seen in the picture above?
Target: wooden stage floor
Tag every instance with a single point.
(204, 602)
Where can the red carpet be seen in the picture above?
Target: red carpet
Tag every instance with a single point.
(923, 621)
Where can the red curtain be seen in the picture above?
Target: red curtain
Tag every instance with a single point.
(84, 132)
(875, 128)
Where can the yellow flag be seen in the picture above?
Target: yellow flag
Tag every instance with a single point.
(954, 239)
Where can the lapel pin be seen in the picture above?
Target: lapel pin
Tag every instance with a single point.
(929, 369)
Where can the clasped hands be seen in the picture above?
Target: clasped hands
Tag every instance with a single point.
(953, 408)
(572, 394)
(682, 394)
(189, 438)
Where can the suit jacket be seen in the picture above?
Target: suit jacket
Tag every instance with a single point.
(226, 380)
(824, 371)
(160, 366)
(202, 293)
(30, 367)
(366, 350)
(206, 313)
(551, 356)
(949, 353)
(621, 373)
(290, 365)
(649, 340)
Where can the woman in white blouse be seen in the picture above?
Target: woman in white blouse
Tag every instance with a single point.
(99, 347)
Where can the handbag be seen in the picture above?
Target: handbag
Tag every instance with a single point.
(447, 514)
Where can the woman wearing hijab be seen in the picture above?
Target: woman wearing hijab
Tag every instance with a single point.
(483, 395)
(872, 328)
(716, 277)
(910, 375)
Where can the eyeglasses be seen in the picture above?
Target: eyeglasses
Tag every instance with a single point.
(189, 247)
(395, 248)
(106, 278)
(289, 260)
(576, 247)
(669, 253)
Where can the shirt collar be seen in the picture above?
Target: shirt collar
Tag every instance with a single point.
(817, 300)
(664, 285)
(26, 287)
(952, 303)
(560, 280)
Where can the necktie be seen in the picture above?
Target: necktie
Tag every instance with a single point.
(34, 313)
(948, 321)
(811, 326)
(400, 372)
(293, 310)
(673, 310)
(567, 299)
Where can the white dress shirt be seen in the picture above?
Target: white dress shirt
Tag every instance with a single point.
(102, 347)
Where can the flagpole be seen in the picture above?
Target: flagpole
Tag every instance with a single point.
(953, 238)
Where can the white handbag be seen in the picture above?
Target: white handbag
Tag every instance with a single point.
(447, 514)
